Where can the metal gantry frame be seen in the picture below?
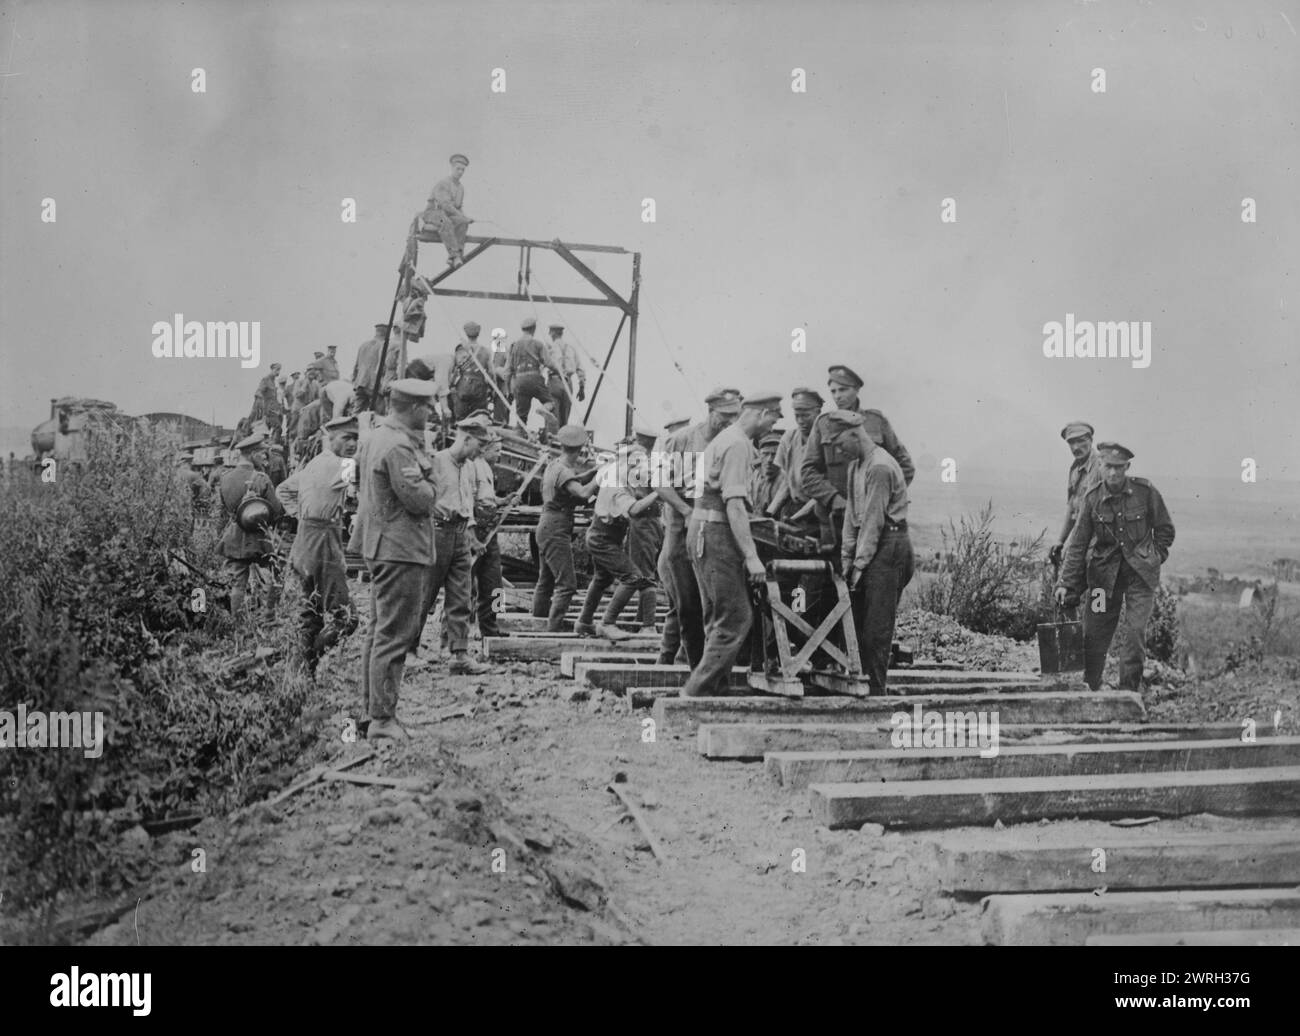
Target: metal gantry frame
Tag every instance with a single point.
(628, 306)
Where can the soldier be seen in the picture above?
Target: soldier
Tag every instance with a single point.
(241, 549)
(790, 498)
(766, 477)
(444, 214)
(528, 358)
(314, 495)
(563, 489)
(1085, 474)
(393, 532)
(487, 547)
(679, 457)
(471, 368)
(561, 384)
(670, 648)
(277, 468)
(617, 505)
(309, 423)
(294, 406)
(876, 556)
(1122, 536)
(329, 364)
(454, 488)
(720, 546)
(500, 405)
(266, 403)
(367, 367)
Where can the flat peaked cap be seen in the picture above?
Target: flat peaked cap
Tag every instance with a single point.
(840, 421)
(572, 435)
(471, 328)
(1076, 429)
(479, 427)
(343, 424)
(725, 399)
(529, 323)
(675, 423)
(1114, 453)
(458, 158)
(414, 388)
(805, 397)
(771, 439)
(841, 375)
(764, 399)
(556, 327)
(253, 441)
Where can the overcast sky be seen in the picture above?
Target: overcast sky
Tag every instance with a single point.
(774, 209)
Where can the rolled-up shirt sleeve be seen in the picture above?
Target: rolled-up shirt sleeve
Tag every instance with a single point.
(870, 516)
(735, 470)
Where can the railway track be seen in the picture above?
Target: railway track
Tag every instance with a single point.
(1086, 824)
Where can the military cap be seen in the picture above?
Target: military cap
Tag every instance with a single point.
(252, 442)
(319, 355)
(840, 421)
(458, 158)
(1075, 430)
(675, 423)
(726, 400)
(275, 447)
(571, 436)
(1114, 453)
(414, 389)
(841, 375)
(763, 400)
(478, 427)
(294, 374)
(556, 327)
(332, 348)
(480, 412)
(806, 397)
(382, 326)
(275, 366)
(771, 439)
(315, 365)
(529, 323)
(645, 436)
(417, 368)
(343, 424)
(472, 329)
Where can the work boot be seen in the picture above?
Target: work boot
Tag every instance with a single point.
(463, 665)
(585, 629)
(610, 632)
(617, 602)
(386, 728)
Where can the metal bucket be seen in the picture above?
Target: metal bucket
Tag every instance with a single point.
(1060, 646)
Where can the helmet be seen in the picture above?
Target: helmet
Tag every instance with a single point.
(253, 515)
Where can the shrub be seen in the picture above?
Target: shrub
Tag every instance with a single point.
(984, 587)
(94, 617)
(1161, 635)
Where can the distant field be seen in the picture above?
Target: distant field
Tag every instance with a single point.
(1238, 529)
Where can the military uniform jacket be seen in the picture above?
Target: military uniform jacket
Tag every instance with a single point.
(529, 354)
(1132, 525)
(235, 485)
(395, 501)
(825, 468)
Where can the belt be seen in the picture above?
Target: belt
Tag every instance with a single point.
(450, 523)
(896, 526)
(319, 523)
(705, 514)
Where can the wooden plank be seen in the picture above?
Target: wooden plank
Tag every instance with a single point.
(1071, 918)
(551, 648)
(979, 862)
(1247, 792)
(800, 769)
(1258, 937)
(755, 740)
(514, 624)
(684, 715)
(615, 677)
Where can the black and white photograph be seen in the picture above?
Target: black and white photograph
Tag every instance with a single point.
(650, 473)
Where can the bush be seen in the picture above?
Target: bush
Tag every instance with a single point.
(94, 617)
(1161, 634)
(984, 587)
